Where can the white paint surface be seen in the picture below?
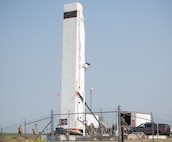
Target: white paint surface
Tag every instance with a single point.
(73, 72)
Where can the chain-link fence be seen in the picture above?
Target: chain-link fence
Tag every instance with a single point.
(49, 127)
(102, 124)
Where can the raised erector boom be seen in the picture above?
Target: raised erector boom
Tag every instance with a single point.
(73, 66)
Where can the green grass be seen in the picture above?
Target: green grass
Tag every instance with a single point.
(13, 137)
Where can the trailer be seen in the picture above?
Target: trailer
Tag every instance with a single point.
(134, 119)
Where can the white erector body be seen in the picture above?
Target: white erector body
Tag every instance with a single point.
(73, 67)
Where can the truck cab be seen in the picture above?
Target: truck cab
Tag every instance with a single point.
(147, 128)
(150, 128)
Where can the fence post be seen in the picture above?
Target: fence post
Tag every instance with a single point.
(1, 132)
(152, 127)
(52, 125)
(24, 129)
(119, 123)
(101, 133)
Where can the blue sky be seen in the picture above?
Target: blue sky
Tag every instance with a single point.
(128, 43)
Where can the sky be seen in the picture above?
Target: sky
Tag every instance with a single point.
(128, 44)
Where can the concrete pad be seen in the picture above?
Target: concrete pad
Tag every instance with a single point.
(157, 137)
(72, 137)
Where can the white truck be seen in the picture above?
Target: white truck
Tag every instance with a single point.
(134, 119)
